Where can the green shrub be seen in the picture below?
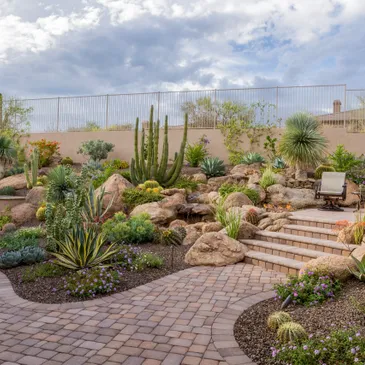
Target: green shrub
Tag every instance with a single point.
(340, 346)
(21, 238)
(3, 220)
(116, 164)
(213, 167)
(47, 150)
(15, 170)
(228, 188)
(186, 183)
(321, 169)
(137, 229)
(133, 197)
(25, 256)
(42, 270)
(251, 158)
(343, 160)
(310, 289)
(67, 161)
(90, 282)
(96, 150)
(8, 190)
(267, 178)
(126, 175)
(195, 154)
(150, 260)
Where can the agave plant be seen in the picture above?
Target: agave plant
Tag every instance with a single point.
(302, 143)
(359, 273)
(279, 163)
(251, 158)
(82, 248)
(7, 153)
(213, 167)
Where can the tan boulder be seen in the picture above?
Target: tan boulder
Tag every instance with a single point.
(254, 178)
(246, 170)
(173, 191)
(173, 201)
(261, 191)
(215, 249)
(265, 223)
(157, 214)
(231, 179)
(23, 213)
(212, 227)
(237, 200)
(359, 252)
(213, 197)
(200, 177)
(178, 223)
(114, 188)
(192, 235)
(347, 235)
(351, 199)
(335, 265)
(36, 196)
(16, 181)
(278, 225)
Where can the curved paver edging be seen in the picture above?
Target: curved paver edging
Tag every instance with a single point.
(185, 318)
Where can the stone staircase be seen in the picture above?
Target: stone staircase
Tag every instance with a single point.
(302, 240)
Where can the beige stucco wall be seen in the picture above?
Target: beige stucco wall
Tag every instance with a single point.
(124, 141)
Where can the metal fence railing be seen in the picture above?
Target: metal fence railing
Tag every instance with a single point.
(334, 105)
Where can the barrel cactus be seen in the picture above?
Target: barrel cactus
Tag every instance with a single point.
(277, 319)
(252, 217)
(291, 332)
(173, 237)
(321, 169)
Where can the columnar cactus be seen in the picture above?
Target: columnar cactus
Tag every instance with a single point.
(34, 165)
(150, 169)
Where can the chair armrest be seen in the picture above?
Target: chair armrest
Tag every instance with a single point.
(344, 192)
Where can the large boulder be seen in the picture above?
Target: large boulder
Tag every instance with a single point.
(246, 170)
(173, 191)
(237, 199)
(36, 196)
(212, 227)
(359, 252)
(280, 179)
(335, 265)
(260, 190)
(195, 209)
(200, 178)
(215, 249)
(16, 181)
(173, 201)
(297, 198)
(177, 223)
(230, 179)
(114, 187)
(192, 235)
(23, 213)
(351, 199)
(246, 231)
(347, 234)
(158, 215)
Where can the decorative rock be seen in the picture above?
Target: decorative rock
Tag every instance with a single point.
(358, 252)
(278, 225)
(170, 192)
(246, 170)
(254, 178)
(266, 222)
(231, 179)
(178, 223)
(213, 197)
(16, 181)
(9, 227)
(199, 178)
(259, 189)
(202, 199)
(192, 235)
(237, 199)
(114, 187)
(335, 265)
(23, 213)
(247, 230)
(157, 214)
(195, 208)
(174, 201)
(297, 198)
(351, 199)
(280, 179)
(36, 196)
(347, 235)
(215, 249)
(212, 227)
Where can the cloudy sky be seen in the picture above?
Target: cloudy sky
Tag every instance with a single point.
(82, 47)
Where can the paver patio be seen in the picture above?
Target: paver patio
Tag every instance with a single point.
(185, 318)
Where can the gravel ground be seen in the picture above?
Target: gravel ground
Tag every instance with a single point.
(255, 339)
(42, 290)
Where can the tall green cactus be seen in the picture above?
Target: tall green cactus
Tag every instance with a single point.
(34, 165)
(142, 170)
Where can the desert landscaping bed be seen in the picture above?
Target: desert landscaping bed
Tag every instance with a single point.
(50, 289)
(255, 338)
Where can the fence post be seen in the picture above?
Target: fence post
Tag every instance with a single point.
(107, 112)
(158, 105)
(277, 106)
(345, 107)
(215, 116)
(58, 114)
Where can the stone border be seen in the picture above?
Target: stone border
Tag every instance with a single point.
(223, 329)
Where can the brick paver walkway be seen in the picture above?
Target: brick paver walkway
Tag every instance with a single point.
(185, 318)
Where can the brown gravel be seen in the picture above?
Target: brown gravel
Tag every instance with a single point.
(42, 290)
(255, 339)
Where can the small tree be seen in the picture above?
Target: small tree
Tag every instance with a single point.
(7, 153)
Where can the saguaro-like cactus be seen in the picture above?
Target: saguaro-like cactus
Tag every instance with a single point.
(34, 165)
(151, 169)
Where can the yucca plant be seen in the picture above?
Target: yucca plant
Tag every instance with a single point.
(213, 167)
(8, 153)
(61, 181)
(82, 248)
(302, 143)
(251, 158)
(93, 211)
(277, 319)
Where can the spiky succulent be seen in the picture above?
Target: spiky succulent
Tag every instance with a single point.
(151, 184)
(173, 237)
(10, 259)
(279, 163)
(213, 167)
(321, 169)
(277, 319)
(251, 158)
(291, 332)
(252, 217)
(31, 255)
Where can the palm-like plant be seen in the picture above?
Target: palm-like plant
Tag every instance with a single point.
(7, 153)
(82, 248)
(61, 181)
(302, 143)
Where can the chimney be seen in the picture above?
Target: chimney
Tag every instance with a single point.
(337, 106)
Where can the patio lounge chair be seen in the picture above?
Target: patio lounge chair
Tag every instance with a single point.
(332, 188)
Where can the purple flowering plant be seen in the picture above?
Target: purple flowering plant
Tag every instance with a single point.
(343, 346)
(310, 289)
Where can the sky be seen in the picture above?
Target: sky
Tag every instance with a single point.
(88, 47)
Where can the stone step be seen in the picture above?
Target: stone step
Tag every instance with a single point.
(327, 246)
(313, 222)
(277, 249)
(308, 231)
(273, 262)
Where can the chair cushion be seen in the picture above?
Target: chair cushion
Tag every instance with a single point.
(332, 183)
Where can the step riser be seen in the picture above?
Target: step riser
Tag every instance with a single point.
(271, 266)
(285, 254)
(329, 250)
(330, 237)
(301, 222)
